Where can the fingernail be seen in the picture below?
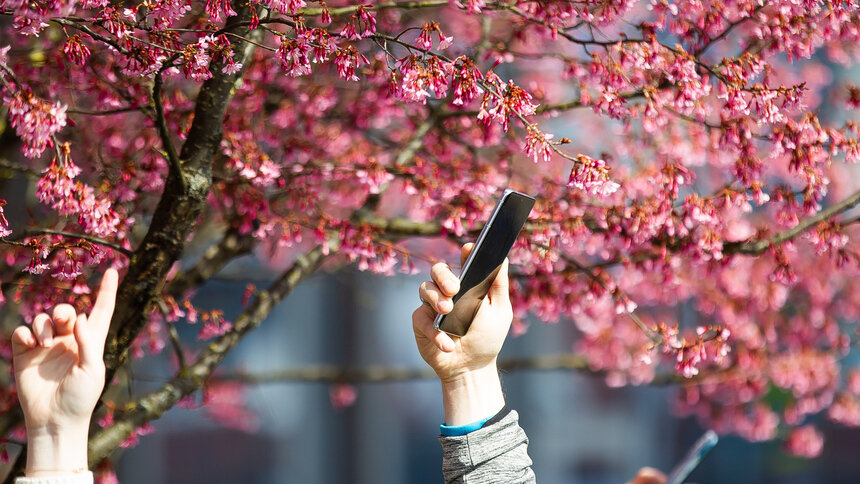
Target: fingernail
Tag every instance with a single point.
(450, 286)
(446, 305)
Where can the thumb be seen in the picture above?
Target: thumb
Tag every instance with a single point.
(500, 290)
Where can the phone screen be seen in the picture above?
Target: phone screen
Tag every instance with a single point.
(485, 260)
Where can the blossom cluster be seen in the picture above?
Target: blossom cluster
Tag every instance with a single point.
(59, 190)
(5, 231)
(35, 121)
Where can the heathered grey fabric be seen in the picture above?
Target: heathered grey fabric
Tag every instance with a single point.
(496, 454)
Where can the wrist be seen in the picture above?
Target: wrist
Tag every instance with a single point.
(472, 395)
(55, 450)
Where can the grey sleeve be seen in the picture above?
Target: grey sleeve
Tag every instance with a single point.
(495, 454)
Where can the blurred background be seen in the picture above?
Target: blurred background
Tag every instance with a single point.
(580, 430)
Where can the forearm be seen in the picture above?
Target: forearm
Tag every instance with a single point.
(472, 396)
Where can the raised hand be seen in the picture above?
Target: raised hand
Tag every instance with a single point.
(466, 365)
(60, 374)
(450, 355)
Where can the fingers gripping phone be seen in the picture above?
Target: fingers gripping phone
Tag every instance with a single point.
(695, 455)
(484, 262)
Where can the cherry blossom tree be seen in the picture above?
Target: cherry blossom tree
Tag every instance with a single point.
(694, 154)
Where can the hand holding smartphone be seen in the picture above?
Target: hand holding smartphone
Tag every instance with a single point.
(483, 263)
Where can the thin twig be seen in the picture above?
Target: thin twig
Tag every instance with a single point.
(88, 238)
(161, 123)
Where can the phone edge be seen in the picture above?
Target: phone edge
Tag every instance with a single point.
(437, 322)
(693, 458)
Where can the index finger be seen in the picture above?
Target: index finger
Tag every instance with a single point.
(465, 251)
(445, 279)
(106, 300)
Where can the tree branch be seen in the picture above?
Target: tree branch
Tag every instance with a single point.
(382, 374)
(161, 124)
(181, 202)
(232, 245)
(6, 165)
(154, 405)
(107, 112)
(759, 246)
(88, 238)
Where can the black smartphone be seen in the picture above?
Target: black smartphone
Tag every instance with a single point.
(695, 455)
(484, 262)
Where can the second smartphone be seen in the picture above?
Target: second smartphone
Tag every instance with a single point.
(484, 262)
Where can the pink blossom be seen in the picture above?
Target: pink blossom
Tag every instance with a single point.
(323, 44)
(845, 410)
(30, 22)
(134, 439)
(117, 22)
(342, 395)
(473, 6)
(325, 18)
(764, 104)
(419, 79)
(225, 403)
(76, 50)
(592, 176)
(502, 101)
(219, 9)
(35, 121)
(196, 65)
(69, 269)
(347, 60)
(231, 67)
(286, 6)
(293, 55)
(59, 189)
(805, 441)
(5, 231)
(423, 41)
(538, 144)
(361, 24)
(214, 325)
(465, 81)
(94, 3)
(165, 13)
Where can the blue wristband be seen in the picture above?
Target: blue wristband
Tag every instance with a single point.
(451, 431)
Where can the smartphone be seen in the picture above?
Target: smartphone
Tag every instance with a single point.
(695, 455)
(484, 262)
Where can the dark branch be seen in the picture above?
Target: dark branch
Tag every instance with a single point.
(181, 203)
(161, 124)
(232, 245)
(88, 238)
(152, 406)
(107, 112)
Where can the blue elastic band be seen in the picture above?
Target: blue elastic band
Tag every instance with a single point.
(450, 431)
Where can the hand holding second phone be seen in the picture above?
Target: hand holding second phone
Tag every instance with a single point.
(465, 365)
